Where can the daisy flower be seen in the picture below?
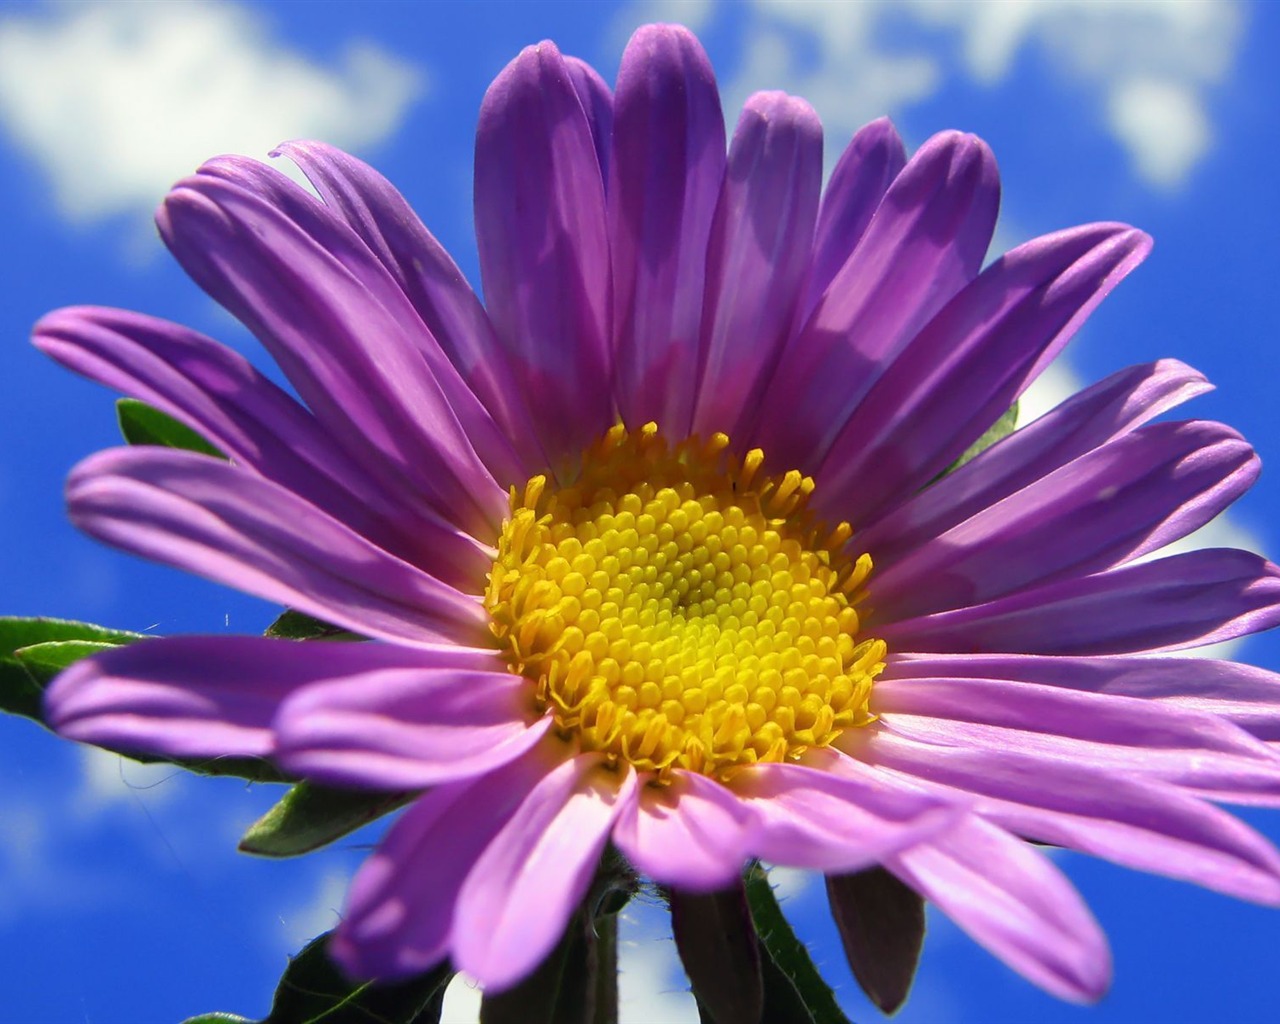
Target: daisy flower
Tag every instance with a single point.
(657, 546)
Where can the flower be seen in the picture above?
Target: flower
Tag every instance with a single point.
(656, 544)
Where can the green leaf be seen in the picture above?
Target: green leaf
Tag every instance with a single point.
(292, 625)
(144, 424)
(790, 956)
(310, 816)
(314, 991)
(33, 651)
(218, 1018)
(998, 431)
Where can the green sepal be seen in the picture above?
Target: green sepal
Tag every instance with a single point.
(33, 651)
(998, 431)
(145, 424)
(293, 625)
(311, 816)
(795, 991)
(314, 991)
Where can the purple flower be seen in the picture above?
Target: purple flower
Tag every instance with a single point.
(654, 544)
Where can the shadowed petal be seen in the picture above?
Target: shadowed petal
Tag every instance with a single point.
(1188, 600)
(400, 910)
(925, 242)
(881, 925)
(373, 208)
(1142, 824)
(210, 696)
(408, 728)
(810, 817)
(968, 365)
(665, 175)
(1111, 408)
(693, 834)
(1116, 503)
(1011, 899)
(544, 250)
(597, 103)
(874, 157)
(340, 328)
(206, 516)
(222, 397)
(523, 889)
(757, 257)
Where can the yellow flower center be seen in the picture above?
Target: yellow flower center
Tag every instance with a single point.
(675, 608)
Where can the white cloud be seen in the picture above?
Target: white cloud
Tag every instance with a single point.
(316, 915)
(116, 101)
(1164, 126)
(1145, 69)
(1150, 63)
(108, 778)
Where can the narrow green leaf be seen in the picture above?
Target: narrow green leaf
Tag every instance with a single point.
(998, 431)
(292, 625)
(144, 424)
(18, 632)
(788, 954)
(314, 991)
(33, 651)
(218, 1018)
(310, 816)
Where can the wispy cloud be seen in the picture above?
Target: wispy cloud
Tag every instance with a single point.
(1144, 70)
(116, 101)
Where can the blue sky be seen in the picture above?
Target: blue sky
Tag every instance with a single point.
(121, 895)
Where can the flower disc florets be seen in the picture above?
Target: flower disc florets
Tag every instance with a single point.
(678, 609)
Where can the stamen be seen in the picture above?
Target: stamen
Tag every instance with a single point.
(676, 608)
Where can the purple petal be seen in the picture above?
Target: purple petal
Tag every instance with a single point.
(834, 814)
(597, 103)
(400, 914)
(1186, 748)
(969, 364)
(693, 833)
(206, 516)
(341, 330)
(1087, 420)
(1011, 899)
(220, 396)
(1245, 695)
(408, 728)
(522, 891)
(428, 276)
(1188, 600)
(1142, 824)
(874, 157)
(1120, 501)
(665, 176)
(209, 696)
(544, 249)
(925, 242)
(757, 256)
